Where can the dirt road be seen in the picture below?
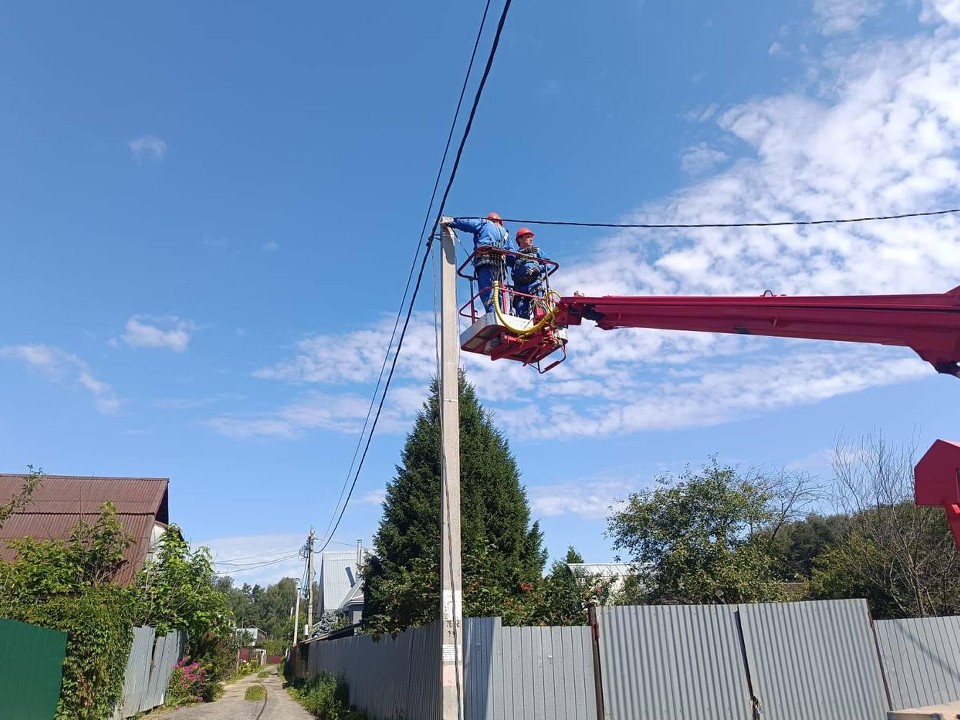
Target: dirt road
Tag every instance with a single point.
(232, 706)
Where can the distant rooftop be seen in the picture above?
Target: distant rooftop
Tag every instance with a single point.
(339, 576)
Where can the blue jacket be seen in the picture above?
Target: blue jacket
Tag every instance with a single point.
(528, 275)
(485, 233)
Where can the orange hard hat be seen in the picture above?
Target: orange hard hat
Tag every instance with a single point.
(524, 231)
(494, 216)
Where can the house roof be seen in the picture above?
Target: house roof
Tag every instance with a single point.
(61, 501)
(613, 570)
(338, 576)
(354, 597)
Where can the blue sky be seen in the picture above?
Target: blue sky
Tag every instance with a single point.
(207, 213)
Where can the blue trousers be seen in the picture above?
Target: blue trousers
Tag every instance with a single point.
(523, 306)
(486, 274)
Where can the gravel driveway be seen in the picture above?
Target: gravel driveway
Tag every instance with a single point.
(278, 705)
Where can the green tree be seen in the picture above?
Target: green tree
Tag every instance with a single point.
(900, 557)
(92, 556)
(178, 591)
(563, 595)
(21, 498)
(265, 608)
(800, 542)
(503, 555)
(701, 538)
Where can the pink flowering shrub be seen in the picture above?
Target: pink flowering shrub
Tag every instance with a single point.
(188, 683)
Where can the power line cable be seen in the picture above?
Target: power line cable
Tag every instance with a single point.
(473, 112)
(426, 256)
(696, 226)
(253, 557)
(271, 561)
(249, 568)
(423, 229)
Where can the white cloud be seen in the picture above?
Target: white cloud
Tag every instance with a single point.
(312, 411)
(374, 497)
(840, 16)
(590, 500)
(66, 368)
(147, 147)
(159, 332)
(705, 394)
(701, 158)
(357, 356)
(941, 10)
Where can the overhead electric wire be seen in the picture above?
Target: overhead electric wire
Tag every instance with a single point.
(426, 219)
(255, 557)
(760, 224)
(253, 566)
(423, 264)
(271, 561)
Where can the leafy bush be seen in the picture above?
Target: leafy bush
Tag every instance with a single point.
(64, 585)
(326, 697)
(177, 590)
(255, 692)
(188, 683)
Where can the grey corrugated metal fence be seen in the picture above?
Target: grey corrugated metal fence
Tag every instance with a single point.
(31, 666)
(148, 670)
(813, 660)
(389, 678)
(779, 661)
(136, 678)
(672, 661)
(533, 673)
(921, 660)
(167, 650)
(800, 661)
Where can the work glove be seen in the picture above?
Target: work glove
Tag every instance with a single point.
(446, 221)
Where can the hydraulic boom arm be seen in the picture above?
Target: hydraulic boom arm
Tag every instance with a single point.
(928, 324)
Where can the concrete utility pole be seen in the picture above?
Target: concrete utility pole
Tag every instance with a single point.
(310, 584)
(296, 614)
(451, 600)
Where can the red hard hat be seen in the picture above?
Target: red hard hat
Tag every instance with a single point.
(494, 217)
(524, 231)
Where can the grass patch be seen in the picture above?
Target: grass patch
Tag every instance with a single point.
(325, 697)
(264, 673)
(255, 692)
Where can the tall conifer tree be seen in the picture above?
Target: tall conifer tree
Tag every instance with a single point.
(503, 553)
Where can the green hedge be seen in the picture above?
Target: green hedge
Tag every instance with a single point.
(99, 637)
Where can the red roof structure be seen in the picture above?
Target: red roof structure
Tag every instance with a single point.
(61, 501)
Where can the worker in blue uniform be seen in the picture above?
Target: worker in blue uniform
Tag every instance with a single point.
(529, 274)
(488, 233)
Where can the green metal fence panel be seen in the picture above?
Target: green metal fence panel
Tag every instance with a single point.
(31, 666)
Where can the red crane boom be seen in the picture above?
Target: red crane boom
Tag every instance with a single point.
(928, 324)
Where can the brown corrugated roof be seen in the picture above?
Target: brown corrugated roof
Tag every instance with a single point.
(61, 501)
